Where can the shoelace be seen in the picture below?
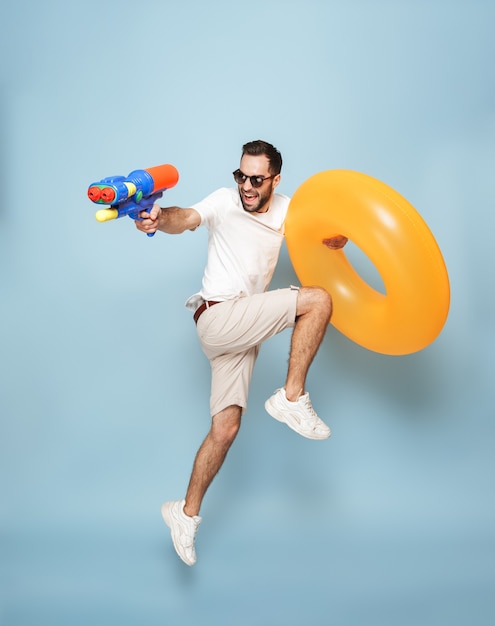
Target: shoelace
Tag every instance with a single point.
(314, 419)
(186, 539)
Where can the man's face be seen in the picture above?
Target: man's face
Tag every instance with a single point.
(256, 200)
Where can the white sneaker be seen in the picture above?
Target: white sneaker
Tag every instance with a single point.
(298, 415)
(183, 529)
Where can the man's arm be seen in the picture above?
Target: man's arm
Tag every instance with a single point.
(172, 220)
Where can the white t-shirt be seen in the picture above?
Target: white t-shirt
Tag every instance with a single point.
(243, 247)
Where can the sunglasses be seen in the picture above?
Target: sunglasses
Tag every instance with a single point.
(256, 181)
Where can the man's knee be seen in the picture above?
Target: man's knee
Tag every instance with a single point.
(314, 298)
(225, 424)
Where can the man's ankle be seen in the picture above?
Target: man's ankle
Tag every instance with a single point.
(190, 512)
(293, 396)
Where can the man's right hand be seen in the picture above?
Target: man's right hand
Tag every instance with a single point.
(149, 220)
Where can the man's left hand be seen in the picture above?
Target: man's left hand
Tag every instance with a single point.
(335, 243)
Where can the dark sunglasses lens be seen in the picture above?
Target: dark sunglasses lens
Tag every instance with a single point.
(239, 177)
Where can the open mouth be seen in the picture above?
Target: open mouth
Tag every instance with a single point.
(249, 198)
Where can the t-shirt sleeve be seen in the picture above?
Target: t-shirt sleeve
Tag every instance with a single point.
(211, 207)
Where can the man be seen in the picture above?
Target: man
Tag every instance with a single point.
(234, 314)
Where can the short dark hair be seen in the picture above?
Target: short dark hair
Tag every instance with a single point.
(258, 148)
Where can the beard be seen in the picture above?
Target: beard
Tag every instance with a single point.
(260, 199)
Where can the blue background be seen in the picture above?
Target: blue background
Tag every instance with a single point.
(104, 389)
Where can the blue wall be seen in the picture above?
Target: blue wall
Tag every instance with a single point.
(103, 387)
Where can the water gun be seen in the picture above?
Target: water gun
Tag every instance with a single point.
(129, 195)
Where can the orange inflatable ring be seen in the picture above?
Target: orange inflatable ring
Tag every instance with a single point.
(395, 238)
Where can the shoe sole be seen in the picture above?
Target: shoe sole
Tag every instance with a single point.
(293, 426)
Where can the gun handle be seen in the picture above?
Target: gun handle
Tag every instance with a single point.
(148, 203)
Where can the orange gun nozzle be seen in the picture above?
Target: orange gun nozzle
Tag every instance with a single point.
(108, 195)
(94, 194)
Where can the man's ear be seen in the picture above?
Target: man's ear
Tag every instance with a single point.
(276, 180)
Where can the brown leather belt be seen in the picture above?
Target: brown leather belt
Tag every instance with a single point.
(201, 309)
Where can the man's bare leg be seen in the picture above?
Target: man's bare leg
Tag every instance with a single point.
(211, 455)
(313, 313)
(291, 405)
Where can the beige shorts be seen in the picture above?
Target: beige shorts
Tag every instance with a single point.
(231, 334)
